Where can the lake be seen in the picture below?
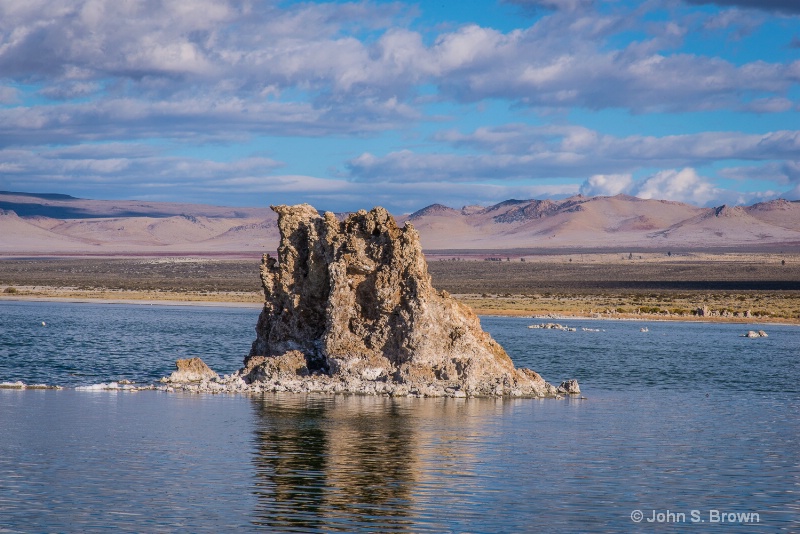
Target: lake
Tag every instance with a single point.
(688, 424)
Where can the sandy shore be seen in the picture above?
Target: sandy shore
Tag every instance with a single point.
(137, 301)
(127, 296)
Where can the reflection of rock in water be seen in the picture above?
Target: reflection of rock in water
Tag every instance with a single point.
(349, 306)
(333, 463)
(373, 464)
(347, 463)
(291, 465)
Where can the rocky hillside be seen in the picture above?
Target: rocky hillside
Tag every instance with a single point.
(607, 223)
(60, 224)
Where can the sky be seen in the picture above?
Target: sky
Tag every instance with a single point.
(348, 105)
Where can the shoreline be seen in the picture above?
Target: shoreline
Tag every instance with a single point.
(133, 301)
(238, 300)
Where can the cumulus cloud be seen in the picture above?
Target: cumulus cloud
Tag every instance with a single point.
(679, 185)
(683, 185)
(537, 67)
(164, 48)
(606, 185)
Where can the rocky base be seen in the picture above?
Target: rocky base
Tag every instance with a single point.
(288, 374)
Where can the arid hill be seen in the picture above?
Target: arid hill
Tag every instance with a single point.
(607, 223)
(60, 224)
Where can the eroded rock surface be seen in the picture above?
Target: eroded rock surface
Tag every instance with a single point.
(349, 306)
(192, 370)
(570, 387)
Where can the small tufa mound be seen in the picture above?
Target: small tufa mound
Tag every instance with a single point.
(191, 370)
(569, 387)
(753, 333)
(349, 304)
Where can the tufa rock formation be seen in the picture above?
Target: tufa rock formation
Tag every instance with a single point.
(753, 333)
(350, 307)
(570, 387)
(191, 370)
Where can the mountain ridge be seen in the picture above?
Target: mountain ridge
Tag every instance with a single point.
(61, 224)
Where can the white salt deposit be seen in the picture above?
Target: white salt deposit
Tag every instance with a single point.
(22, 385)
(105, 386)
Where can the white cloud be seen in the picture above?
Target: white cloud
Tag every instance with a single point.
(521, 152)
(164, 48)
(606, 185)
(683, 185)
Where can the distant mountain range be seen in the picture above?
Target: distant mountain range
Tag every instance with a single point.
(608, 223)
(61, 224)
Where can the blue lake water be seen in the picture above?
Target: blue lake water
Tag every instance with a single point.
(688, 420)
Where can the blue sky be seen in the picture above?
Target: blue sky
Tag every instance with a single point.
(347, 105)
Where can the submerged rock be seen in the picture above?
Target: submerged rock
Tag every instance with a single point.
(553, 326)
(753, 333)
(349, 306)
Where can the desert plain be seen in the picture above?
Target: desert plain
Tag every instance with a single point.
(652, 286)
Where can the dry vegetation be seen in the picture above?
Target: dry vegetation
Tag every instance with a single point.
(614, 285)
(182, 279)
(629, 285)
